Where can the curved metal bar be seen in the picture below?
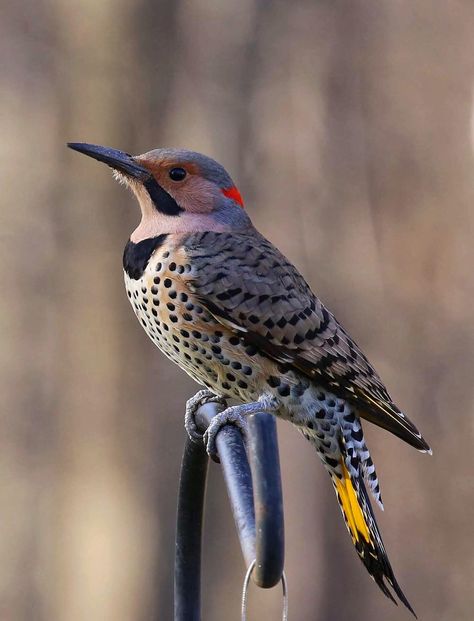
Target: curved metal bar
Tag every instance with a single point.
(257, 506)
(237, 475)
(262, 447)
(187, 568)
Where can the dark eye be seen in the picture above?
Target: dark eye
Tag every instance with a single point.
(177, 174)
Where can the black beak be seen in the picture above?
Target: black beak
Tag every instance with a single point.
(112, 157)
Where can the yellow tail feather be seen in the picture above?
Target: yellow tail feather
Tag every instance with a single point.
(365, 535)
(355, 520)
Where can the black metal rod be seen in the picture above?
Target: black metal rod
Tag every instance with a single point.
(238, 478)
(262, 447)
(187, 570)
(257, 505)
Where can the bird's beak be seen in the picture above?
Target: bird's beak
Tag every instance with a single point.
(119, 160)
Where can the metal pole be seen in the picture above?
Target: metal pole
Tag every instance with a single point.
(264, 461)
(187, 569)
(257, 506)
(238, 479)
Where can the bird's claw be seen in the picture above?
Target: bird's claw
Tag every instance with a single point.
(230, 416)
(192, 406)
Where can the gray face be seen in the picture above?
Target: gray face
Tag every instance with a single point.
(208, 168)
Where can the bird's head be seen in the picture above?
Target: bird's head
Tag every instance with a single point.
(179, 191)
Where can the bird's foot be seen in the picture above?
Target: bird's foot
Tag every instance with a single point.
(234, 415)
(230, 416)
(192, 406)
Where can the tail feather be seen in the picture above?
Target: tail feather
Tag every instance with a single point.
(357, 455)
(360, 521)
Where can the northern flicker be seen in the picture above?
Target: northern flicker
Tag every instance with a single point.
(223, 303)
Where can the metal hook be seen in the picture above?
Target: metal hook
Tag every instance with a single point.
(245, 591)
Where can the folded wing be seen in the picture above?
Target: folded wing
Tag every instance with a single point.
(263, 299)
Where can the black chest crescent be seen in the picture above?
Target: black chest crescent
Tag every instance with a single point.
(136, 256)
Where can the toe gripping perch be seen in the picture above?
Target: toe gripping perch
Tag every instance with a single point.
(254, 487)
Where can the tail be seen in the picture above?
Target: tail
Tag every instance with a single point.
(360, 522)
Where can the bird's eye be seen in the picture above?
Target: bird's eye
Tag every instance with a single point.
(177, 174)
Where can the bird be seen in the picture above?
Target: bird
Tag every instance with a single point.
(224, 304)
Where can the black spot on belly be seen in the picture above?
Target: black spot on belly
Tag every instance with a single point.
(136, 256)
(273, 381)
(251, 350)
(284, 390)
(298, 390)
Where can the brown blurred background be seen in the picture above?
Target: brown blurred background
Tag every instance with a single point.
(348, 126)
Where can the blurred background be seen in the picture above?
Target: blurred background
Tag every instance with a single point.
(348, 126)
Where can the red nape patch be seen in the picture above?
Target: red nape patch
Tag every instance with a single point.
(234, 194)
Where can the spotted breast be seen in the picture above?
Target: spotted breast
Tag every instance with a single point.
(159, 276)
